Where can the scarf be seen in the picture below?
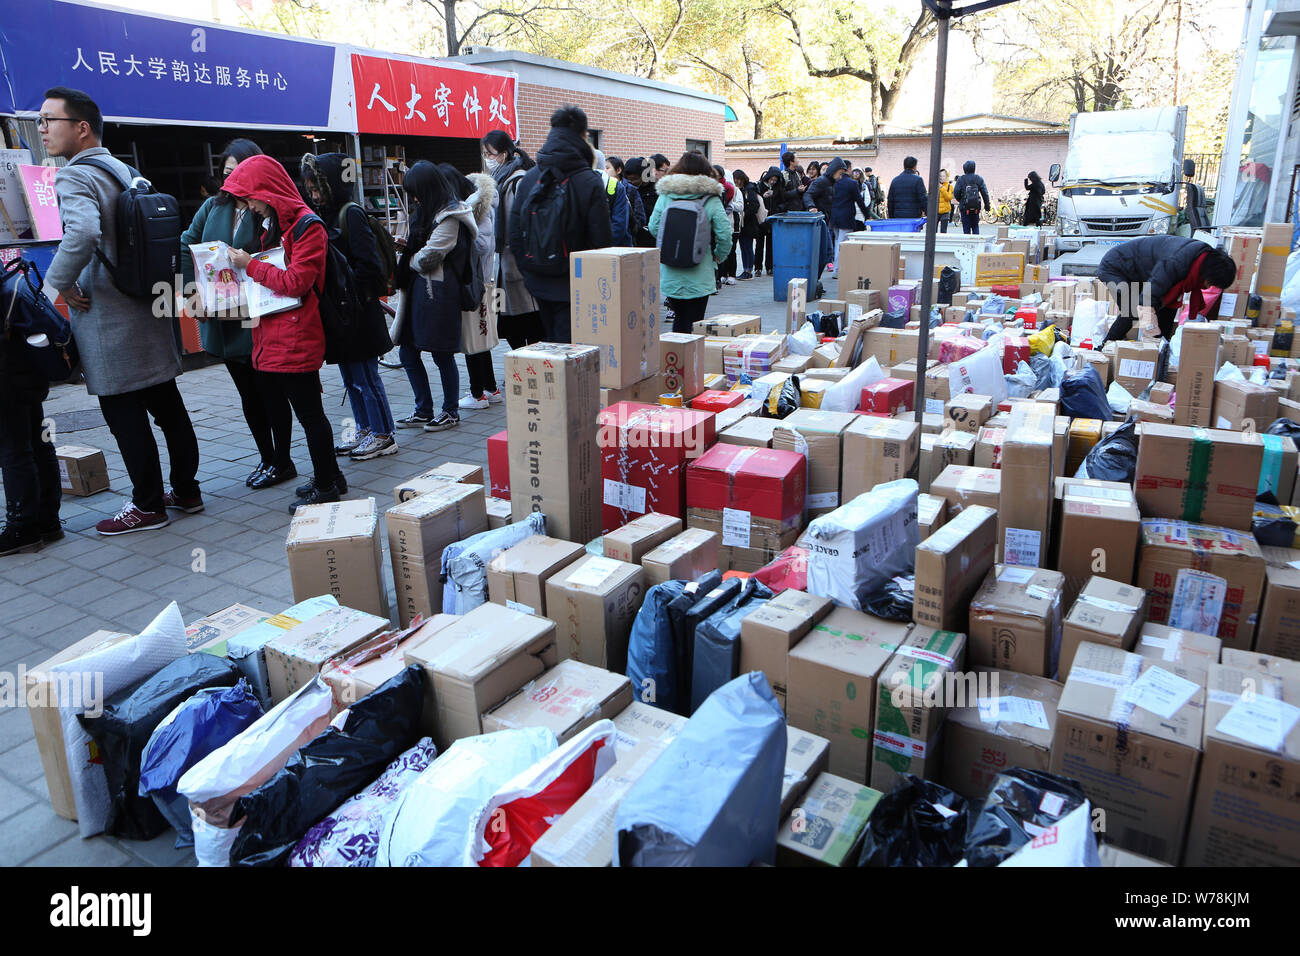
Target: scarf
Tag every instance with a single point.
(1191, 284)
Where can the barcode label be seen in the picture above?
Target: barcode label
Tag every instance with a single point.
(623, 496)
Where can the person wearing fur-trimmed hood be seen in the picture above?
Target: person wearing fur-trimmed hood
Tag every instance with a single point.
(478, 329)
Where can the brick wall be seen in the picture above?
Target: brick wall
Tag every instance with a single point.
(628, 127)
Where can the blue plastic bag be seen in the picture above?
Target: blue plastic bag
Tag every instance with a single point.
(717, 642)
(1084, 396)
(713, 798)
(651, 656)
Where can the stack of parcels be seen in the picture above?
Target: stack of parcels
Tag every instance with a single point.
(820, 437)
(615, 300)
(752, 356)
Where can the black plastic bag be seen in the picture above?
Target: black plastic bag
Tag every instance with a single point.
(1286, 428)
(128, 721)
(893, 602)
(685, 612)
(949, 283)
(1271, 526)
(906, 829)
(783, 401)
(1084, 396)
(1019, 797)
(336, 765)
(828, 324)
(1114, 458)
(894, 320)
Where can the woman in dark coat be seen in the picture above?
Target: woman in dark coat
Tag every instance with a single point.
(1148, 277)
(1033, 215)
(27, 461)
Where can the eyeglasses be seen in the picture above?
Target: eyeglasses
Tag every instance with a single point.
(43, 122)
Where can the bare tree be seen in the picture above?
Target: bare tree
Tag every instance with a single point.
(745, 80)
(489, 25)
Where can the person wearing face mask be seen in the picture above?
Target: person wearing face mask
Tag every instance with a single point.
(519, 322)
(265, 410)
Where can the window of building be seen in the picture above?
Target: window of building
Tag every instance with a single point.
(698, 146)
(593, 137)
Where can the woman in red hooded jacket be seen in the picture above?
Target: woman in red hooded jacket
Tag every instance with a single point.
(289, 347)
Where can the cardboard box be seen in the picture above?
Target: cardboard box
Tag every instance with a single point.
(725, 419)
(615, 300)
(517, 576)
(418, 530)
(1135, 365)
(593, 603)
(714, 345)
(1209, 477)
(646, 391)
(209, 634)
(1097, 530)
(729, 326)
(793, 365)
(498, 513)
(644, 453)
(448, 473)
(950, 566)
(1237, 350)
(1015, 620)
(867, 265)
(551, 400)
(752, 356)
(44, 692)
(745, 485)
(477, 662)
(682, 558)
(939, 451)
(892, 346)
(566, 700)
(751, 432)
(769, 632)
(1246, 811)
(988, 447)
(968, 412)
(357, 673)
(999, 268)
(819, 436)
(1202, 578)
(1105, 612)
(1279, 612)
(911, 705)
(931, 513)
(1009, 726)
(806, 757)
(296, 656)
(833, 672)
(338, 549)
(681, 364)
(962, 487)
(812, 391)
(1084, 435)
(887, 396)
(1274, 248)
(1185, 648)
(1244, 250)
(1151, 412)
(584, 835)
(877, 450)
(827, 826)
(1264, 663)
(1133, 739)
(498, 449)
(1236, 403)
(82, 471)
(640, 536)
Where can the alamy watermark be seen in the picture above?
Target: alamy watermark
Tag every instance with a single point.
(81, 691)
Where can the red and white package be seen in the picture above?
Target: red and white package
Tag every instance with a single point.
(787, 571)
(522, 810)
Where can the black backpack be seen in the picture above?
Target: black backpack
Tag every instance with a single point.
(383, 240)
(148, 234)
(949, 282)
(467, 270)
(544, 220)
(970, 195)
(28, 313)
(339, 298)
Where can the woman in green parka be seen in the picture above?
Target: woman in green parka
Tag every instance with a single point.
(266, 411)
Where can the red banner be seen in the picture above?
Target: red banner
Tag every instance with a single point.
(400, 97)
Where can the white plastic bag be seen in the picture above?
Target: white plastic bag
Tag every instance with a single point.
(1069, 842)
(804, 341)
(845, 394)
(464, 563)
(1291, 285)
(1229, 373)
(980, 372)
(1119, 398)
(101, 674)
(1090, 321)
(854, 550)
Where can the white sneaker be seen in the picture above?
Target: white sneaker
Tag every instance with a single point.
(469, 401)
(374, 446)
(729, 280)
(493, 398)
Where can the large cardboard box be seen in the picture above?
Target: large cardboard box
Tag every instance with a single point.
(447, 473)
(833, 672)
(338, 549)
(640, 536)
(769, 632)
(758, 493)
(296, 656)
(962, 487)
(683, 557)
(954, 447)
(418, 530)
(877, 450)
(892, 346)
(644, 451)
(1198, 360)
(1025, 513)
(552, 400)
(584, 835)
(1265, 663)
(1015, 620)
(1105, 612)
(806, 756)
(1202, 578)
(82, 471)
(1279, 613)
(826, 827)
(593, 603)
(1129, 730)
(1243, 247)
(1237, 403)
(517, 576)
(729, 326)
(950, 566)
(479, 661)
(567, 699)
(867, 265)
(1274, 248)
(999, 268)
(1135, 365)
(1209, 477)
(681, 364)
(912, 702)
(1097, 526)
(1009, 724)
(1185, 648)
(209, 633)
(820, 436)
(615, 298)
(1246, 810)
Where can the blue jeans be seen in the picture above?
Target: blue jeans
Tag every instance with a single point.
(367, 395)
(746, 254)
(419, 379)
(970, 222)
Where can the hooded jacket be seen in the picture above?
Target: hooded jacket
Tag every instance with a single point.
(820, 195)
(846, 203)
(568, 154)
(431, 313)
(969, 176)
(1033, 214)
(907, 197)
(1153, 265)
(478, 328)
(699, 280)
(294, 340)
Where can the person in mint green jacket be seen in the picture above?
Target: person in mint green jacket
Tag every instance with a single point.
(266, 411)
(687, 290)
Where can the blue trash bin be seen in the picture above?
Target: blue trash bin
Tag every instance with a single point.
(797, 250)
(896, 225)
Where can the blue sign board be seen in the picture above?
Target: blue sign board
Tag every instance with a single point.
(142, 67)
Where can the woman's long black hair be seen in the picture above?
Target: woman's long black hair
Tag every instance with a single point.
(241, 149)
(430, 193)
(501, 142)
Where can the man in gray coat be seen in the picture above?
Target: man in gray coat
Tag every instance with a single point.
(128, 355)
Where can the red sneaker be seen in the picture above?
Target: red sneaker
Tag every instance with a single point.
(131, 518)
(191, 506)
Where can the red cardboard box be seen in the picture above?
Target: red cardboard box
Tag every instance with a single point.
(1029, 315)
(498, 465)
(767, 482)
(1014, 351)
(715, 400)
(1006, 291)
(889, 395)
(644, 450)
(957, 348)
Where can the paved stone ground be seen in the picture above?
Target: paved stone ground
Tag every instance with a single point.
(53, 598)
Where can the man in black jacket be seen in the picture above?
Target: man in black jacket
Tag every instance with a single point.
(821, 194)
(964, 195)
(1148, 277)
(907, 198)
(794, 187)
(569, 158)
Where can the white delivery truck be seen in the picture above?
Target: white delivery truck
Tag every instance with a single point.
(1123, 173)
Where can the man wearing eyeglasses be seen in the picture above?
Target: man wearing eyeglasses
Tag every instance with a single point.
(128, 354)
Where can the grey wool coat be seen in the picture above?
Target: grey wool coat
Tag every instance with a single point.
(123, 345)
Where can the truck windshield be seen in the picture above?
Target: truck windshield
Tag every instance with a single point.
(1134, 157)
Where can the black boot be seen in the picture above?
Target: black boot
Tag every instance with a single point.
(320, 494)
(17, 535)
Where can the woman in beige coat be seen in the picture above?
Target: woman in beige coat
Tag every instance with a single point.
(478, 327)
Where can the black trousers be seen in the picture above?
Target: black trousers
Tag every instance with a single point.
(763, 247)
(555, 320)
(267, 412)
(127, 416)
(482, 379)
(686, 312)
(520, 330)
(303, 392)
(31, 471)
